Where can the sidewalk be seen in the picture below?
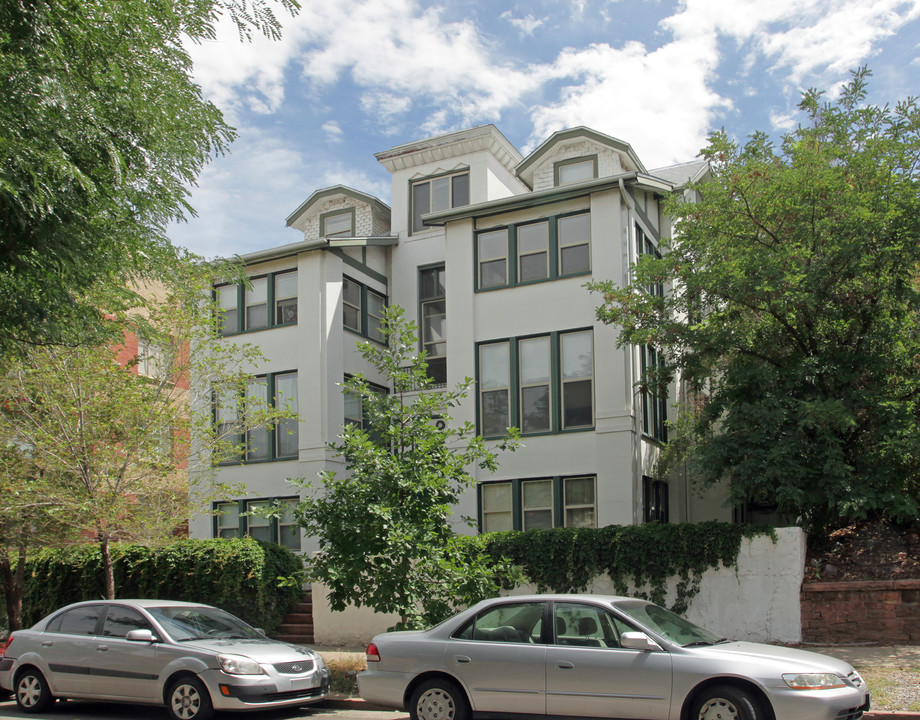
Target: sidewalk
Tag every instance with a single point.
(859, 656)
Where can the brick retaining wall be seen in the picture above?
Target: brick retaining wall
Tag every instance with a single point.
(885, 612)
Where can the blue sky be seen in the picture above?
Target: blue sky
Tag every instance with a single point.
(354, 77)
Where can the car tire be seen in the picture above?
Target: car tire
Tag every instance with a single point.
(439, 699)
(188, 699)
(31, 691)
(724, 702)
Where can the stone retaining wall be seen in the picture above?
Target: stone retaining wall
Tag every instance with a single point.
(839, 613)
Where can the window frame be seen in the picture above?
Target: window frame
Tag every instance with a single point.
(515, 387)
(560, 165)
(514, 255)
(241, 305)
(517, 509)
(416, 226)
(242, 506)
(654, 408)
(271, 433)
(656, 500)
(325, 217)
(437, 363)
(370, 324)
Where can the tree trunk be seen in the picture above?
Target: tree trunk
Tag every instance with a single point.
(12, 583)
(107, 571)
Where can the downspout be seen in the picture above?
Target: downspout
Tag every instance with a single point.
(637, 429)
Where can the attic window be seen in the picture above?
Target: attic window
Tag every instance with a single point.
(338, 224)
(438, 193)
(575, 170)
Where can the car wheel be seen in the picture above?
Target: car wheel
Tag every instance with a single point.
(32, 692)
(725, 703)
(439, 699)
(188, 699)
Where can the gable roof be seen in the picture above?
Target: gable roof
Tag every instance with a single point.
(524, 170)
(328, 192)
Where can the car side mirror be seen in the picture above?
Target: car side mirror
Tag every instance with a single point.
(638, 641)
(143, 635)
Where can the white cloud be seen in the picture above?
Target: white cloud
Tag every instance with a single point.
(525, 25)
(333, 130)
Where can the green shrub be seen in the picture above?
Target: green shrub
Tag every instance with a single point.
(568, 559)
(242, 576)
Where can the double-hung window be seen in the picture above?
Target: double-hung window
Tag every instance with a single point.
(362, 309)
(575, 170)
(438, 193)
(433, 313)
(269, 301)
(239, 420)
(340, 223)
(655, 500)
(540, 384)
(654, 400)
(236, 519)
(547, 249)
(538, 503)
(645, 246)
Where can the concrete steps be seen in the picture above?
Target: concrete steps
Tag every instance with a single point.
(297, 626)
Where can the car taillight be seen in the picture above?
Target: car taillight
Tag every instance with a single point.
(373, 654)
(8, 642)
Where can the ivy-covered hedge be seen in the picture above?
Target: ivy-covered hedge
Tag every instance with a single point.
(242, 576)
(645, 556)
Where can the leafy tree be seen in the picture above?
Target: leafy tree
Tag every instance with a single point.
(793, 314)
(99, 439)
(387, 530)
(102, 130)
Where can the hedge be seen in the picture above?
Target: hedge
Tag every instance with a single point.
(242, 576)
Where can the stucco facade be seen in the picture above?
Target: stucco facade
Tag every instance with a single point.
(489, 252)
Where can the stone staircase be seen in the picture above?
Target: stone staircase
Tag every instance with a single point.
(297, 626)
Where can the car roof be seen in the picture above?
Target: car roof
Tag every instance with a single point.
(139, 602)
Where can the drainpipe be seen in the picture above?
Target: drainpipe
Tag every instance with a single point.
(637, 429)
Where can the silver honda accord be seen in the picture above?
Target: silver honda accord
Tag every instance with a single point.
(192, 658)
(600, 656)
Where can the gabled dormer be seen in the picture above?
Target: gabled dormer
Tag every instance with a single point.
(577, 155)
(341, 212)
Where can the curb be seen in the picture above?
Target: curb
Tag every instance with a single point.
(341, 702)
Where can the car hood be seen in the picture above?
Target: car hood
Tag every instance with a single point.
(789, 659)
(263, 651)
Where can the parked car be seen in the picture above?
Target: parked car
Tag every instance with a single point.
(192, 658)
(599, 656)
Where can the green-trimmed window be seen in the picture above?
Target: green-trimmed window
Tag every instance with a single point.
(540, 384)
(655, 500)
(234, 519)
(437, 193)
(362, 309)
(433, 314)
(654, 403)
(548, 249)
(257, 444)
(270, 301)
(534, 503)
(340, 223)
(574, 170)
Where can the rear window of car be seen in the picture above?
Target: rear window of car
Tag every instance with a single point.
(78, 621)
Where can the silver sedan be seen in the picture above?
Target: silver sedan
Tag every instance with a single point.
(192, 658)
(600, 656)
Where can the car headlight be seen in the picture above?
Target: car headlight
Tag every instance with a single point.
(813, 681)
(239, 665)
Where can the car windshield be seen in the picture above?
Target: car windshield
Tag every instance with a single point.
(202, 623)
(672, 626)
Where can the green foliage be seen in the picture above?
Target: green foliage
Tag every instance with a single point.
(242, 576)
(794, 314)
(102, 131)
(641, 556)
(386, 529)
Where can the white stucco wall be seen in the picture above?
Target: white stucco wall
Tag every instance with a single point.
(758, 600)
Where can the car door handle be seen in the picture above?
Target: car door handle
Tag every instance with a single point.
(565, 665)
(102, 648)
(47, 643)
(462, 659)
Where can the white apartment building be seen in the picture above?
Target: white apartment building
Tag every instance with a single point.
(488, 251)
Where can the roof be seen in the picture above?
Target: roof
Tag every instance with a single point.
(683, 173)
(441, 148)
(328, 192)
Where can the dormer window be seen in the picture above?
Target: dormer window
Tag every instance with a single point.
(438, 193)
(340, 223)
(575, 170)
